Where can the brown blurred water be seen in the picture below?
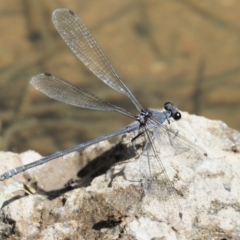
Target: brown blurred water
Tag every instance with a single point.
(184, 51)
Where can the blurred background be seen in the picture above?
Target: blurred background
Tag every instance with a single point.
(183, 51)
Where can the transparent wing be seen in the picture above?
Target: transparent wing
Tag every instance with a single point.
(163, 146)
(176, 144)
(79, 39)
(165, 149)
(157, 183)
(151, 171)
(63, 91)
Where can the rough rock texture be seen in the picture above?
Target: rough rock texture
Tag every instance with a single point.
(125, 200)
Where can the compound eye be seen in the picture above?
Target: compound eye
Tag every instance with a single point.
(177, 116)
(168, 105)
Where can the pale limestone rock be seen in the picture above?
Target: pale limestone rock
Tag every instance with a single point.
(119, 204)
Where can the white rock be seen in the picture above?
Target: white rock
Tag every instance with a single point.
(124, 201)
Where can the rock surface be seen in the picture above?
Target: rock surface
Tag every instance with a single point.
(124, 200)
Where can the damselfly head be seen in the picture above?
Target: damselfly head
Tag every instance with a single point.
(175, 114)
